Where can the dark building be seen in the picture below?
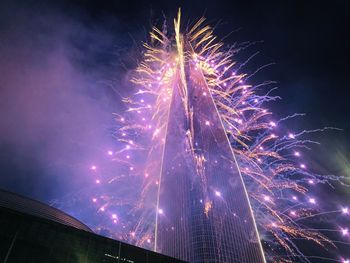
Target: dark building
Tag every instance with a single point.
(31, 231)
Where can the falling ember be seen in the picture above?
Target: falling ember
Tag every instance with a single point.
(266, 198)
(345, 231)
(312, 200)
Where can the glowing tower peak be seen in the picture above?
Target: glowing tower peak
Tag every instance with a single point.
(203, 210)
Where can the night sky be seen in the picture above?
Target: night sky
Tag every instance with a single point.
(64, 66)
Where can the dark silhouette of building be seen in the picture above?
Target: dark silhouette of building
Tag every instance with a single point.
(203, 212)
(31, 231)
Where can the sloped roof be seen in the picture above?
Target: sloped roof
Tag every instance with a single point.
(29, 206)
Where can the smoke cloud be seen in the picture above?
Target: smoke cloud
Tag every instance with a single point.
(55, 103)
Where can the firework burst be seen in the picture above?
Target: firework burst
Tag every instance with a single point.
(270, 160)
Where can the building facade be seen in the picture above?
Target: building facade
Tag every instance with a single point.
(31, 231)
(204, 213)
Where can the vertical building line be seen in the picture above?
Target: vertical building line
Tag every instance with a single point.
(11, 246)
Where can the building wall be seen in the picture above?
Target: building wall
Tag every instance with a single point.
(26, 238)
(205, 212)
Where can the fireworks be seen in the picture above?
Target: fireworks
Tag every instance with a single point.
(277, 181)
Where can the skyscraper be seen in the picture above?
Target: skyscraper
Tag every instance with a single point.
(203, 211)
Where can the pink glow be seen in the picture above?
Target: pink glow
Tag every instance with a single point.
(312, 200)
